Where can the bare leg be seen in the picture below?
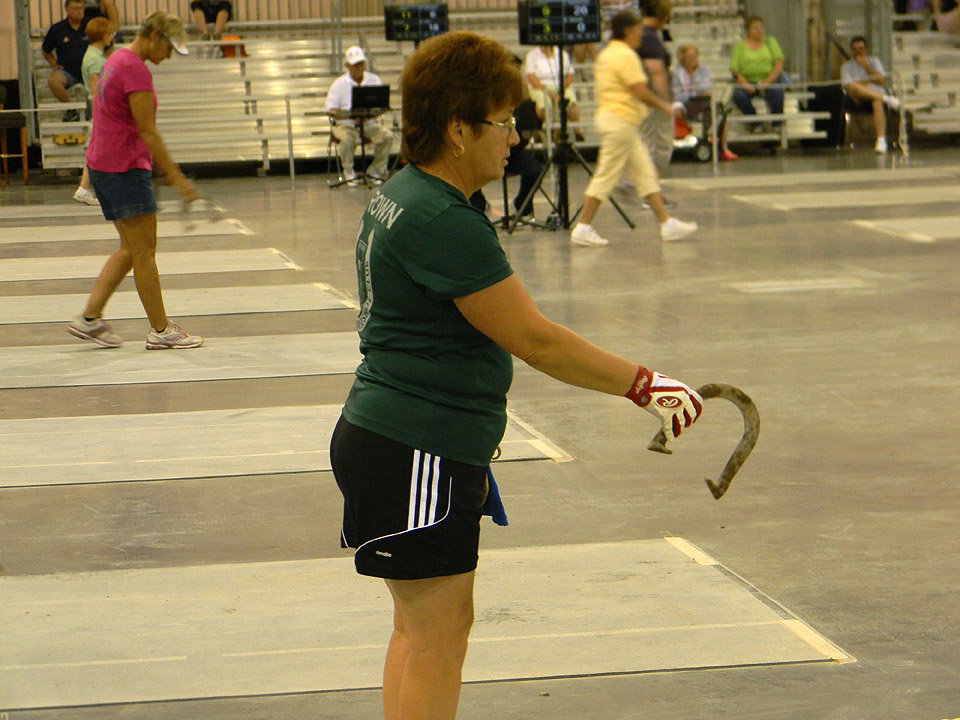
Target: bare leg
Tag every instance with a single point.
(432, 620)
(140, 235)
(58, 85)
(655, 201)
(85, 181)
(589, 210)
(859, 93)
(221, 23)
(114, 271)
(200, 22)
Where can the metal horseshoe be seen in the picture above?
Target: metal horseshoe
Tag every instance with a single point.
(751, 429)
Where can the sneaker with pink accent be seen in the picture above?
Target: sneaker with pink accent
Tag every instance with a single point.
(95, 330)
(173, 338)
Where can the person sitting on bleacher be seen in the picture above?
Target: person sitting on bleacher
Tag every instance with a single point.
(863, 81)
(64, 47)
(691, 88)
(211, 12)
(339, 97)
(757, 66)
(541, 70)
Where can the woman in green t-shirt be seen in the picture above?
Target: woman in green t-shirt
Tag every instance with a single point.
(757, 64)
(441, 312)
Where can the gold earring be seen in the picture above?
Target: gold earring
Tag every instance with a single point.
(460, 154)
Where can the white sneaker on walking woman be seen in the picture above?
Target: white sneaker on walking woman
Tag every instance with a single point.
(173, 338)
(674, 229)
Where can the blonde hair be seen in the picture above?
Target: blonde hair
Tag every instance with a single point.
(165, 25)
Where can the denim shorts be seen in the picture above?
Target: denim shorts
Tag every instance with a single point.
(70, 77)
(125, 194)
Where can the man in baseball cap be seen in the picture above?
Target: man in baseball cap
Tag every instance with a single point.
(346, 131)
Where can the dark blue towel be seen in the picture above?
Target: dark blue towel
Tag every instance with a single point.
(493, 505)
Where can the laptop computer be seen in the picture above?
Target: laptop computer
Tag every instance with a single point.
(370, 97)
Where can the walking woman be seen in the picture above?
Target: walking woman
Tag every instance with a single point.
(441, 312)
(123, 144)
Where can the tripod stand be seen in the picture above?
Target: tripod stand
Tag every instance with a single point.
(560, 155)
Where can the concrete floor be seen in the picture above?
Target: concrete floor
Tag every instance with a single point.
(838, 320)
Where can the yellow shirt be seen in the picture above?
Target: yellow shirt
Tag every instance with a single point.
(615, 70)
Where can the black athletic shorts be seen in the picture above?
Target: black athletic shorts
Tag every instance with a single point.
(408, 513)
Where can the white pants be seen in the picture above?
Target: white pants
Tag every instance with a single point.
(621, 148)
(349, 137)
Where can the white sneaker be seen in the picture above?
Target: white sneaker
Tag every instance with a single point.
(586, 235)
(172, 338)
(87, 197)
(891, 102)
(674, 229)
(881, 146)
(95, 330)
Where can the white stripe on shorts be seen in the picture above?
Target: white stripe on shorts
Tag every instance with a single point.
(424, 489)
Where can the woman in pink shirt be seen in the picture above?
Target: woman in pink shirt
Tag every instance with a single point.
(123, 146)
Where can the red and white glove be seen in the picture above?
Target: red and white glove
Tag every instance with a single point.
(673, 403)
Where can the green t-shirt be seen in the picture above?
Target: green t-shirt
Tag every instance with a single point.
(755, 65)
(93, 60)
(428, 378)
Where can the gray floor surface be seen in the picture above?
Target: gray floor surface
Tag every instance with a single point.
(838, 316)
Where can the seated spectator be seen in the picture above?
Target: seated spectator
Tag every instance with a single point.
(215, 13)
(757, 66)
(542, 69)
(340, 97)
(100, 34)
(691, 88)
(863, 80)
(101, 8)
(63, 47)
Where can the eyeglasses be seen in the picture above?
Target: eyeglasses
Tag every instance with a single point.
(510, 125)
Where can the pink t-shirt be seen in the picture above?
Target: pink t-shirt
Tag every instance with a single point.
(115, 142)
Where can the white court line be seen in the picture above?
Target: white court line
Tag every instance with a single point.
(314, 625)
(208, 443)
(690, 550)
(106, 231)
(75, 209)
(926, 229)
(222, 358)
(912, 195)
(817, 641)
(169, 263)
(823, 177)
(807, 285)
(546, 445)
(18, 309)
(94, 663)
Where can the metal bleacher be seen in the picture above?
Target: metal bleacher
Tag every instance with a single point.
(928, 63)
(215, 109)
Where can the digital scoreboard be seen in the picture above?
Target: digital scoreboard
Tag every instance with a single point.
(558, 22)
(415, 22)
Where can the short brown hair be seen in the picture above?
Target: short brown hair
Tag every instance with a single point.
(98, 29)
(621, 22)
(455, 76)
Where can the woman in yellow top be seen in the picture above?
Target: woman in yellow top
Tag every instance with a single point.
(757, 66)
(623, 97)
